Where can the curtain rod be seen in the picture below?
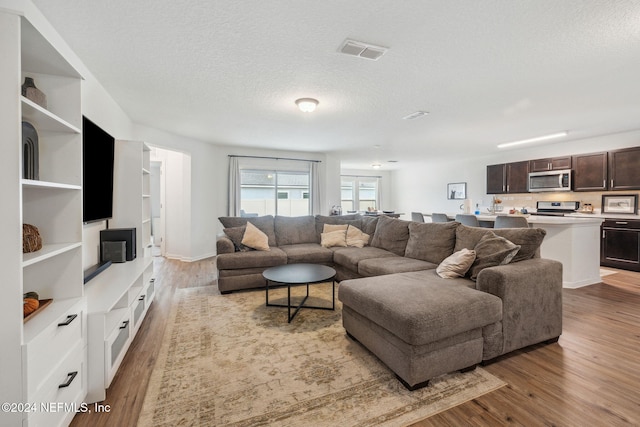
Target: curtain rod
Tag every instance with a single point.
(276, 158)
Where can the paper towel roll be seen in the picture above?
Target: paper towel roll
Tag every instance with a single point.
(467, 206)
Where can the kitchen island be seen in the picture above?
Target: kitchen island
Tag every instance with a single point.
(574, 240)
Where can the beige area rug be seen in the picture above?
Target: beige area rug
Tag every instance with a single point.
(229, 360)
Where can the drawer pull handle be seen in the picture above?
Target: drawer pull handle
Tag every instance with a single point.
(622, 222)
(70, 319)
(141, 298)
(70, 377)
(124, 324)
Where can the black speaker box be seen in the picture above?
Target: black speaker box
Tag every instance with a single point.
(127, 235)
(114, 251)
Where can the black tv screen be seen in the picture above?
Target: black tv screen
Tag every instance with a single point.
(97, 172)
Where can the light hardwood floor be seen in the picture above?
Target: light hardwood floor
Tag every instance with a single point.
(591, 377)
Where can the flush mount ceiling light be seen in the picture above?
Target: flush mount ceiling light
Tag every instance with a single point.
(536, 139)
(307, 105)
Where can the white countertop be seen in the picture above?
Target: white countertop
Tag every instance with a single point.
(571, 219)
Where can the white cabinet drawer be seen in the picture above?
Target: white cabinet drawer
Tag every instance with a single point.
(62, 393)
(116, 346)
(50, 346)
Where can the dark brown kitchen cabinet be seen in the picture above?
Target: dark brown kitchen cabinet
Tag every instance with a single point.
(550, 164)
(507, 178)
(496, 179)
(620, 244)
(624, 169)
(590, 172)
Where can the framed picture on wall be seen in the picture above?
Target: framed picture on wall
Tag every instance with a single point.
(457, 191)
(622, 204)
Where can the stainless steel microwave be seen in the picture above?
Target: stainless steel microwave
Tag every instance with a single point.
(559, 180)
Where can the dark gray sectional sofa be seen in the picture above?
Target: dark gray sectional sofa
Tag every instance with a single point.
(419, 324)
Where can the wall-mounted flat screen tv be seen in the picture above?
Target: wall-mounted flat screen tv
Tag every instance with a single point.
(97, 172)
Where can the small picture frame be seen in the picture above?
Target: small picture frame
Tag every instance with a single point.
(457, 191)
(620, 204)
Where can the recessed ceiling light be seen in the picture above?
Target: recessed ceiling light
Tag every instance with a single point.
(376, 165)
(392, 161)
(307, 105)
(536, 139)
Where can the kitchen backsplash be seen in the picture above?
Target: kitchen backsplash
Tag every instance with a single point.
(528, 200)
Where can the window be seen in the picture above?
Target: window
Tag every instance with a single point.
(271, 192)
(359, 193)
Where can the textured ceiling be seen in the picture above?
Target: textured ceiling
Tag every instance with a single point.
(487, 71)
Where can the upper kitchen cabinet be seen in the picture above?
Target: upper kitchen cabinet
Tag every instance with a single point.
(550, 164)
(624, 169)
(507, 178)
(496, 179)
(590, 172)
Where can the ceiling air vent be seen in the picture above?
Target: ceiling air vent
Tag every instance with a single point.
(362, 50)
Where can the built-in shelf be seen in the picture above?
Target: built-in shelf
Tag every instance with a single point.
(144, 221)
(44, 119)
(32, 183)
(145, 171)
(48, 251)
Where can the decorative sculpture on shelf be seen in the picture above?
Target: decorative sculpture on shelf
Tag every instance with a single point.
(31, 239)
(30, 152)
(32, 93)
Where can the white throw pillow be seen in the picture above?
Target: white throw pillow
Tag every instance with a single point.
(356, 238)
(334, 227)
(334, 238)
(456, 264)
(255, 238)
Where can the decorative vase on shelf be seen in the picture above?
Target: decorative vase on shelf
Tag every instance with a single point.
(31, 92)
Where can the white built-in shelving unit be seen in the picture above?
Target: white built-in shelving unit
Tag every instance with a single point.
(44, 358)
(118, 298)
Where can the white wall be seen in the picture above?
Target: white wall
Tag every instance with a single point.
(421, 186)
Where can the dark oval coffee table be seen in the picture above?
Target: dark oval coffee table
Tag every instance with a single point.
(297, 275)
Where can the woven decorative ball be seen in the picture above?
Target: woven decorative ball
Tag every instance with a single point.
(31, 240)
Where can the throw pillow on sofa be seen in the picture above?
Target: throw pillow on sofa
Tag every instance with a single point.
(254, 238)
(235, 234)
(529, 239)
(356, 238)
(328, 228)
(491, 251)
(334, 238)
(264, 223)
(456, 264)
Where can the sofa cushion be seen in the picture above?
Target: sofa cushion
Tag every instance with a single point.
(468, 237)
(264, 223)
(350, 257)
(390, 265)
(251, 259)
(291, 230)
(415, 306)
(456, 264)
(490, 251)
(368, 224)
(431, 241)
(391, 234)
(307, 252)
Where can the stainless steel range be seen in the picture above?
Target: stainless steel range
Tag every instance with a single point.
(555, 208)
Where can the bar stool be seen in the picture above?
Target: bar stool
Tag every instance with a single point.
(467, 219)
